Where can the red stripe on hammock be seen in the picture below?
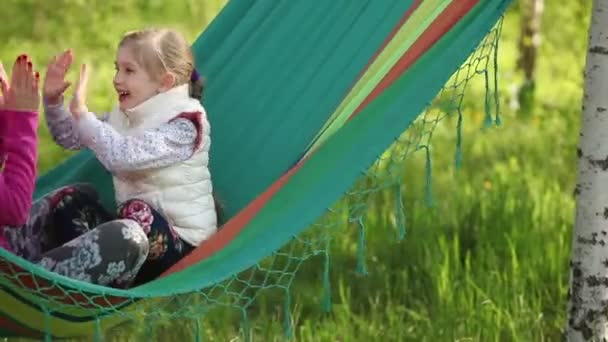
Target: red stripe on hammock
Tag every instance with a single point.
(232, 228)
(8, 324)
(440, 26)
(43, 287)
(403, 20)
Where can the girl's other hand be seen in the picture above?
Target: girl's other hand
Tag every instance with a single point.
(78, 105)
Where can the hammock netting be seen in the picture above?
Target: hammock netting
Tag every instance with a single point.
(315, 108)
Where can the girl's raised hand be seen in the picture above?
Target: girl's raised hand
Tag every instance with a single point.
(54, 80)
(78, 105)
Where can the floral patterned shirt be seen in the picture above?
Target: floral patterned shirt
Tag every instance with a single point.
(168, 144)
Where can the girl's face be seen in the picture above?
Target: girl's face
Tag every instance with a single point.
(132, 82)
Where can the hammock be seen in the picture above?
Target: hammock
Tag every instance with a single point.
(303, 97)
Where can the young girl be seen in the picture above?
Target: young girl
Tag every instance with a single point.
(26, 232)
(155, 143)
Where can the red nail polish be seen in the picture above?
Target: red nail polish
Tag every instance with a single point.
(29, 64)
(37, 75)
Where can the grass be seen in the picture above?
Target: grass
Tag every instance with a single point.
(489, 262)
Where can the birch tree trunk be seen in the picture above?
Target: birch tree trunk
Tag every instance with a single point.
(588, 295)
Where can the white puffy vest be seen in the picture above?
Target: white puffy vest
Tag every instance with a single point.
(182, 193)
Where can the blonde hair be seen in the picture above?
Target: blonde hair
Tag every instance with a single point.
(161, 50)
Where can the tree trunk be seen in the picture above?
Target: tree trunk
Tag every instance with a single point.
(588, 295)
(529, 41)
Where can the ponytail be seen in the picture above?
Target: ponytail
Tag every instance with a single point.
(196, 85)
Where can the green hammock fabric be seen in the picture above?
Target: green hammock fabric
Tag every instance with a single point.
(303, 98)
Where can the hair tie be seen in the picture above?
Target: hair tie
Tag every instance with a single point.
(194, 76)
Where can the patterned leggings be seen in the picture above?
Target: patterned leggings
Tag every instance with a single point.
(69, 232)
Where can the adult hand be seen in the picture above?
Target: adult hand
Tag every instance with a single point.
(3, 85)
(22, 94)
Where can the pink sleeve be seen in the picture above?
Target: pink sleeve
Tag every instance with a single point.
(17, 179)
(3, 130)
